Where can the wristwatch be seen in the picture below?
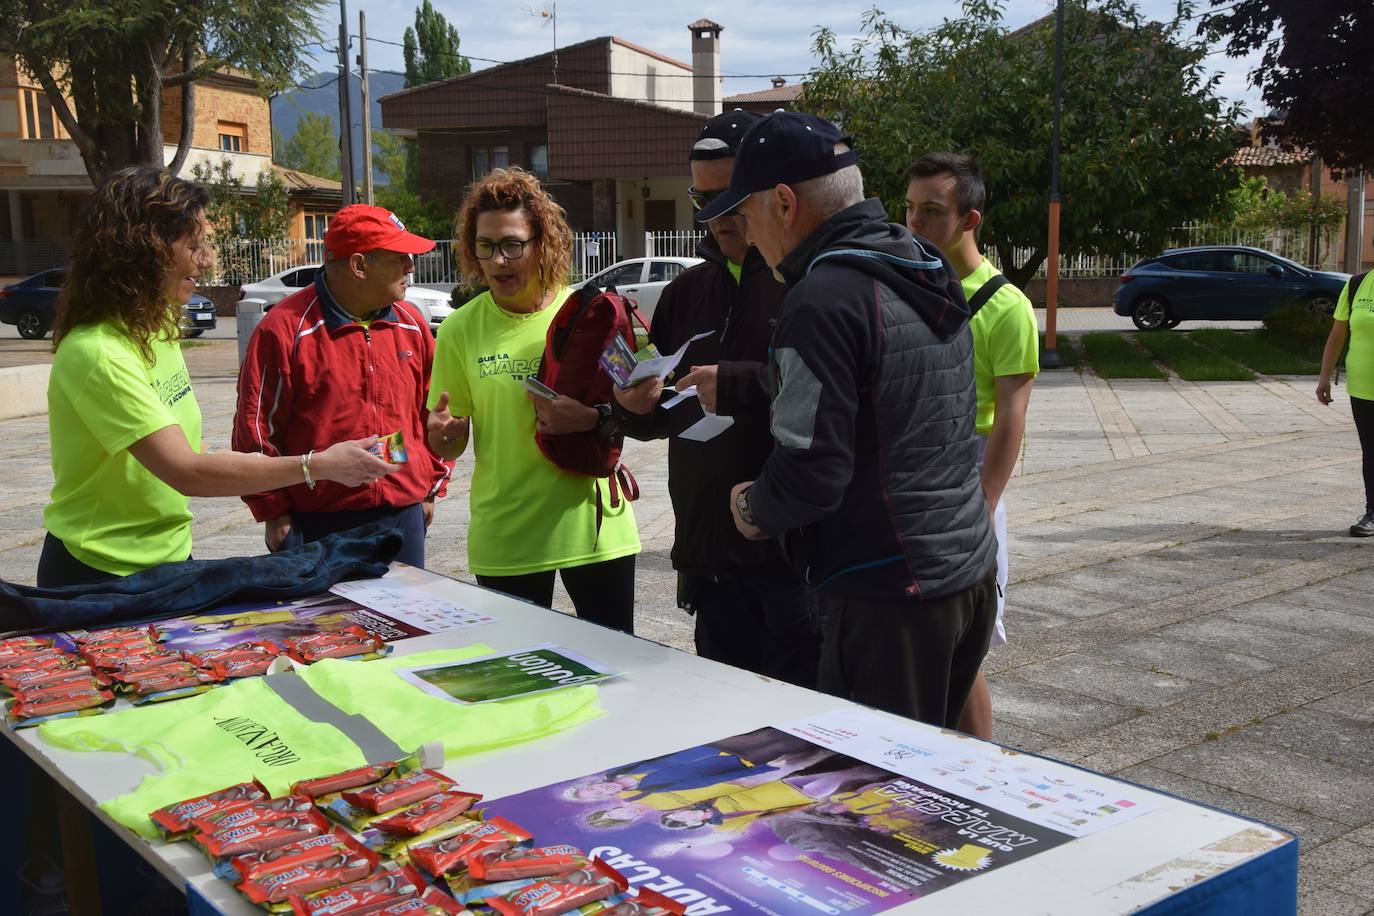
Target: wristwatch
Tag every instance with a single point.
(606, 425)
(742, 504)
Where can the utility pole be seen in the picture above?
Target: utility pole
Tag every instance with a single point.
(367, 108)
(350, 194)
(1049, 359)
(1354, 220)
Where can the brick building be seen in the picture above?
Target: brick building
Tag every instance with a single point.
(43, 180)
(605, 123)
(1296, 170)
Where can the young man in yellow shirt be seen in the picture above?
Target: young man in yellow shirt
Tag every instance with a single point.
(944, 204)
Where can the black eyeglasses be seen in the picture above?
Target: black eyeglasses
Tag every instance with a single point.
(701, 198)
(511, 249)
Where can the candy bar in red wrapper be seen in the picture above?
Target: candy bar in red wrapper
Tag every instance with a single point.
(325, 636)
(559, 895)
(454, 853)
(260, 647)
(17, 679)
(387, 885)
(431, 902)
(647, 903)
(265, 834)
(398, 793)
(164, 679)
(47, 658)
(244, 813)
(308, 877)
(176, 819)
(80, 685)
(336, 842)
(24, 644)
(114, 636)
(75, 697)
(149, 656)
(539, 862)
(428, 814)
(338, 782)
(345, 644)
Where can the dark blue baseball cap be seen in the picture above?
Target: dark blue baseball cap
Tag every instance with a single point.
(787, 147)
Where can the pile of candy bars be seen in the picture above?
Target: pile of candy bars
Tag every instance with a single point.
(392, 839)
(47, 682)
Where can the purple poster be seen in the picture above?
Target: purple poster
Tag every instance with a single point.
(770, 822)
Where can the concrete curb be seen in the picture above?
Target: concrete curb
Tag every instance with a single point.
(24, 391)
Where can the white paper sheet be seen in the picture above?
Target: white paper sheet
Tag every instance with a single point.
(684, 394)
(707, 428)
(662, 366)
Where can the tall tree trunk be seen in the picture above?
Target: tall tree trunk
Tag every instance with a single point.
(149, 133)
(188, 112)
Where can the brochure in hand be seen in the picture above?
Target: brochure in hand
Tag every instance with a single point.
(627, 368)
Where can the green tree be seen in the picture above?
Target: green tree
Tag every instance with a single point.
(1145, 138)
(1315, 70)
(113, 60)
(431, 48)
(235, 211)
(314, 148)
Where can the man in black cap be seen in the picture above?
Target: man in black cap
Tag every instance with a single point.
(874, 480)
(751, 611)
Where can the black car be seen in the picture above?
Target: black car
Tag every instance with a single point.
(1220, 283)
(31, 304)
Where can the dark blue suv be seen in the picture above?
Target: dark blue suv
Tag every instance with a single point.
(1220, 283)
(31, 305)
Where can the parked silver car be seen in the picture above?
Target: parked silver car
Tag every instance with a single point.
(435, 304)
(640, 279)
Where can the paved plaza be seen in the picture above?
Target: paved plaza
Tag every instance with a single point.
(1185, 609)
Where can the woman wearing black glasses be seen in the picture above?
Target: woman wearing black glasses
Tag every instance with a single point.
(530, 519)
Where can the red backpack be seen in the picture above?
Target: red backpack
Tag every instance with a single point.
(584, 327)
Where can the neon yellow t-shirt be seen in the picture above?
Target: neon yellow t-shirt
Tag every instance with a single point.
(1006, 340)
(527, 514)
(736, 270)
(110, 511)
(1359, 362)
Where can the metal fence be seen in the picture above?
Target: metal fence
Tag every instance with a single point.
(241, 261)
(1288, 243)
(674, 244)
(30, 256)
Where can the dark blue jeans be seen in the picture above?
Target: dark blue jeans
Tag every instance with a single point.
(312, 526)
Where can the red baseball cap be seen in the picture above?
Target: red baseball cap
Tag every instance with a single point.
(358, 229)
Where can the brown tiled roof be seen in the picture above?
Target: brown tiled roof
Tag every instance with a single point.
(544, 60)
(297, 180)
(594, 136)
(774, 94)
(1262, 156)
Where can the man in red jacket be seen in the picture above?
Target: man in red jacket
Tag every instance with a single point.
(345, 354)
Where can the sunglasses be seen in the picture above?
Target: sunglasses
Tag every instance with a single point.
(701, 198)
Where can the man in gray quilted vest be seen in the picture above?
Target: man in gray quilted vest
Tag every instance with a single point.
(873, 484)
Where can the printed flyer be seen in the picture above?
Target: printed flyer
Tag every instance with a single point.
(771, 822)
(238, 623)
(507, 674)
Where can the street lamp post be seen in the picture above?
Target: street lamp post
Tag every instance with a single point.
(1049, 359)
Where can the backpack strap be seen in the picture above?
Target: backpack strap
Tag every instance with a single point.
(986, 292)
(1352, 286)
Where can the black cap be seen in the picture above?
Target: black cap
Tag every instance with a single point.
(720, 138)
(787, 147)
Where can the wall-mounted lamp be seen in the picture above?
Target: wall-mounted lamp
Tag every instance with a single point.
(644, 189)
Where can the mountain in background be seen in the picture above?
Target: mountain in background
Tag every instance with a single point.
(320, 95)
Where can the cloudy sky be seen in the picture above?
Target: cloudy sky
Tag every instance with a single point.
(761, 38)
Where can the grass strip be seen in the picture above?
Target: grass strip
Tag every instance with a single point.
(1260, 351)
(1192, 362)
(1064, 345)
(1112, 356)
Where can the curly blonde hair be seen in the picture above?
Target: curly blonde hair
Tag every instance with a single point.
(122, 254)
(510, 190)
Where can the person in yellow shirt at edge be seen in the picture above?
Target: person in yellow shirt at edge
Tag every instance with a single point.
(944, 204)
(529, 518)
(1355, 318)
(124, 426)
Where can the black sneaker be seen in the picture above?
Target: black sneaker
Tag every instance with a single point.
(1364, 527)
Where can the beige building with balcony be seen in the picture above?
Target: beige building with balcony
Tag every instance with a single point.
(43, 179)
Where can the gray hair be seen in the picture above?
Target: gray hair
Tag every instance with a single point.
(829, 194)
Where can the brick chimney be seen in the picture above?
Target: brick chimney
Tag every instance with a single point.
(778, 82)
(706, 66)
